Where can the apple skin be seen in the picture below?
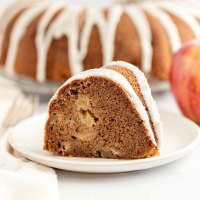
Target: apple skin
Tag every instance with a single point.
(185, 79)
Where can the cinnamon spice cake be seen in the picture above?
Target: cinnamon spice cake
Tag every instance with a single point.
(104, 113)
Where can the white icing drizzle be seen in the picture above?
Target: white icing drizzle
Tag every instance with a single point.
(167, 24)
(146, 93)
(107, 31)
(41, 46)
(106, 27)
(114, 15)
(9, 14)
(184, 16)
(144, 32)
(18, 32)
(66, 24)
(94, 16)
(123, 82)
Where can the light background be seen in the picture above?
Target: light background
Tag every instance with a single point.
(5, 3)
(178, 180)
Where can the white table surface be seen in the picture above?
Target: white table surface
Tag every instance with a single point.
(177, 180)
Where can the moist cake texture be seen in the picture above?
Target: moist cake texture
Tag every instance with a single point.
(104, 113)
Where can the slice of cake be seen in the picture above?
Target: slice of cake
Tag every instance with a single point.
(104, 113)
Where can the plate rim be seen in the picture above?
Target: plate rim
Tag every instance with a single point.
(111, 162)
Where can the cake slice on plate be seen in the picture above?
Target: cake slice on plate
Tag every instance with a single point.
(107, 112)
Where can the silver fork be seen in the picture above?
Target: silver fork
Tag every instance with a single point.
(22, 107)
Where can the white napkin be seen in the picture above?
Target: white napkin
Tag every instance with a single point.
(21, 179)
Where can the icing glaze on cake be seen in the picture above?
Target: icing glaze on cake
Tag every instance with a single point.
(18, 32)
(146, 92)
(106, 20)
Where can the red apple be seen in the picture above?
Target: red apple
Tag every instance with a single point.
(185, 79)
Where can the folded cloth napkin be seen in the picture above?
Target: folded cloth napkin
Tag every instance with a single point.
(21, 179)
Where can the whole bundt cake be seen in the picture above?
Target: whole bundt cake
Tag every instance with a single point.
(52, 40)
(106, 112)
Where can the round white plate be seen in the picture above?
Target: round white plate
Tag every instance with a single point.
(181, 136)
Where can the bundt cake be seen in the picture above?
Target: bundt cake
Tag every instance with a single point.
(51, 40)
(106, 112)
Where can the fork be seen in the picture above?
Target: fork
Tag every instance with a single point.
(22, 107)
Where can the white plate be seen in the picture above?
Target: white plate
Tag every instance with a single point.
(180, 137)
